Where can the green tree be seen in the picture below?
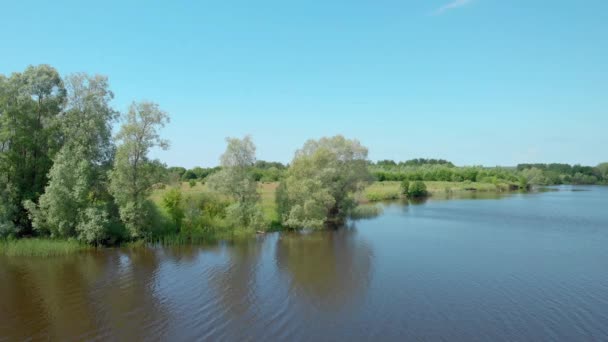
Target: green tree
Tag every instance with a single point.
(320, 181)
(603, 170)
(76, 191)
(236, 181)
(133, 172)
(534, 176)
(30, 106)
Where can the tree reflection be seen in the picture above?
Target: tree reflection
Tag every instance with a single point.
(329, 268)
(235, 280)
(83, 296)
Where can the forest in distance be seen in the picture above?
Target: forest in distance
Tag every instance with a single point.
(67, 182)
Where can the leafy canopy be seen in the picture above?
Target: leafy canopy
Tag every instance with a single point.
(320, 181)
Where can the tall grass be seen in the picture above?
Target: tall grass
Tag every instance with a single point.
(382, 191)
(41, 247)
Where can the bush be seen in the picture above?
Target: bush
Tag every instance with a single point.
(173, 203)
(405, 187)
(192, 183)
(417, 189)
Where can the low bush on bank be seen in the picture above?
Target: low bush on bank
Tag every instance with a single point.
(417, 189)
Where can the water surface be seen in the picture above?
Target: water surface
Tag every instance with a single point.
(524, 267)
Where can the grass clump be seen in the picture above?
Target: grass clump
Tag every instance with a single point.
(41, 247)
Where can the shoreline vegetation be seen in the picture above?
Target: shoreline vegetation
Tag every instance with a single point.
(374, 193)
(68, 184)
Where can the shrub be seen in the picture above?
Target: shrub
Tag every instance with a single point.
(173, 203)
(417, 189)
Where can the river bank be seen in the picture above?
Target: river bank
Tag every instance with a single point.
(377, 191)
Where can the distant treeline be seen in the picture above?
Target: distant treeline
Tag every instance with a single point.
(435, 170)
(414, 162)
(263, 171)
(523, 174)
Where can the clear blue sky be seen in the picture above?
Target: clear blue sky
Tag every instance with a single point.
(490, 82)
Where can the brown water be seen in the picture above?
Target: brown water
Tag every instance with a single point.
(523, 267)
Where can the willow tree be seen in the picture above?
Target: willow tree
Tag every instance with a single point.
(236, 181)
(133, 174)
(75, 200)
(318, 188)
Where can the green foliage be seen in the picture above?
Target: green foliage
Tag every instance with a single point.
(30, 135)
(405, 187)
(563, 173)
(417, 189)
(192, 183)
(320, 181)
(72, 200)
(172, 201)
(133, 173)
(382, 193)
(534, 176)
(93, 225)
(7, 212)
(236, 181)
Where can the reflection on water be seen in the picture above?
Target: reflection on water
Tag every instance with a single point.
(525, 267)
(91, 294)
(330, 268)
(234, 281)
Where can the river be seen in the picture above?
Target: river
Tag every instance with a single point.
(521, 267)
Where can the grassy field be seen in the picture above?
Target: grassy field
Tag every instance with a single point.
(41, 247)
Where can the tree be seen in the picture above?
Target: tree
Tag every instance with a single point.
(603, 170)
(236, 181)
(133, 172)
(534, 176)
(320, 181)
(76, 191)
(30, 106)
